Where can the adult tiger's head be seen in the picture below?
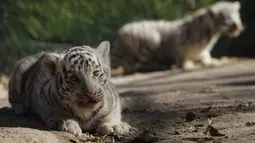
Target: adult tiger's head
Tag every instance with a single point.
(227, 17)
(80, 73)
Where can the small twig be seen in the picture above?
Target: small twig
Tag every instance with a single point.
(183, 122)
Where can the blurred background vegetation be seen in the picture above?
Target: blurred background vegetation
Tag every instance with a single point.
(30, 26)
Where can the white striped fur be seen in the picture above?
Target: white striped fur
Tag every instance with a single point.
(156, 44)
(71, 91)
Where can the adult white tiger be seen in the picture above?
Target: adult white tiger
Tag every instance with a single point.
(70, 91)
(155, 45)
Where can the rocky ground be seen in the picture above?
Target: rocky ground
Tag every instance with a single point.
(207, 105)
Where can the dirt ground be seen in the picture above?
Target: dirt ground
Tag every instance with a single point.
(157, 105)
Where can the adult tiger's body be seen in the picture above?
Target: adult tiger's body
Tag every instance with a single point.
(70, 91)
(155, 45)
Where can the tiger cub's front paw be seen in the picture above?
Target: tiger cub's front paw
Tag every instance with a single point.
(106, 128)
(71, 126)
(122, 128)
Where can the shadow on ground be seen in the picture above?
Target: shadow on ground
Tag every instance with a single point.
(165, 122)
(157, 104)
(9, 119)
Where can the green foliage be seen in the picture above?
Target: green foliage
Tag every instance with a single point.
(74, 22)
(81, 21)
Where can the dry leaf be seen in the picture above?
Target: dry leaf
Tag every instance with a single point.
(250, 124)
(190, 116)
(175, 133)
(206, 109)
(192, 129)
(214, 132)
(209, 121)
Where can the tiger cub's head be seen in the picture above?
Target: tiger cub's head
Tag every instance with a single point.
(227, 17)
(80, 73)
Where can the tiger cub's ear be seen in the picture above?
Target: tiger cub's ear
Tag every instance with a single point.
(237, 4)
(210, 12)
(50, 64)
(104, 52)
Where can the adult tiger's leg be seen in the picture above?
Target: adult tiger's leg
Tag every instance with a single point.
(207, 60)
(152, 66)
(129, 65)
(186, 64)
(122, 60)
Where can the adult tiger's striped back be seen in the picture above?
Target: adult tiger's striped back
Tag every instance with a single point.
(70, 91)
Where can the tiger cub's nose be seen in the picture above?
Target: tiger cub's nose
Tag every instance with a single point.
(89, 94)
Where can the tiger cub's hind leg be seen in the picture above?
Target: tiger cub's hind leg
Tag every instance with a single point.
(15, 86)
(17, 105)
(18, 108)
(15, 98)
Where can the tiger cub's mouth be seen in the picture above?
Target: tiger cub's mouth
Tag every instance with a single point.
(92, 99)
(97, 96)
(86, 104)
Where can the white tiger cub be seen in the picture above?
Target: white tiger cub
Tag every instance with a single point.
(156, 44)
(71, 91)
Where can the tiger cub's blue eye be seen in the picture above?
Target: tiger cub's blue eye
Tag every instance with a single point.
(96, 73)
(73, 78)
